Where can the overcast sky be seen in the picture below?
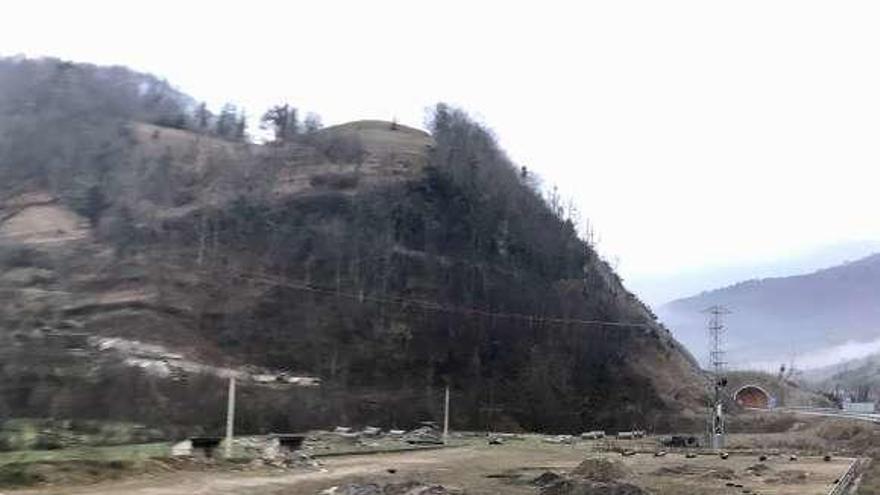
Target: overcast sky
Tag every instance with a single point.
(694, 135)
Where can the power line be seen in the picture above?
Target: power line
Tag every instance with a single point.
(431, 305)
(424, 304)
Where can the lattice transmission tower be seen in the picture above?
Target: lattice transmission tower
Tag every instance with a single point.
(717, 366)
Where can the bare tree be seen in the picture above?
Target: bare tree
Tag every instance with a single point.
(283, 121)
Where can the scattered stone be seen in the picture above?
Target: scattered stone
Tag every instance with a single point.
(423, 435)
(404, 488)
(547, 478)
(569, 486)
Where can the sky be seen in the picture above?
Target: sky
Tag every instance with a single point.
(694, 136)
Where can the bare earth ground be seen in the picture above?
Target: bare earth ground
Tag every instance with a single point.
(481, 469)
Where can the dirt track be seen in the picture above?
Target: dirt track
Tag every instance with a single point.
(465, 466)
(483, 470)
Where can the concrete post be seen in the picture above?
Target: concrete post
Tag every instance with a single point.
(446, 418)
(230, 417)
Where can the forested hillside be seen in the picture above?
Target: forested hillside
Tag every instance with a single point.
(148, 251)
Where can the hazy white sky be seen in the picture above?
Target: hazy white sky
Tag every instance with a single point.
(693, 134)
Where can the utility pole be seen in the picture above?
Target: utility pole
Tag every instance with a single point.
(230, 417)
(719, 381)
(446, 418)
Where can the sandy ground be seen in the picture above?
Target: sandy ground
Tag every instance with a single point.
(481, 470)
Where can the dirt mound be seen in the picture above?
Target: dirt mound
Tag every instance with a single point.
(758, 469)
(701, 471)
(569, 486)
(547, 478)
(598, 469)
(679, 470)
(719, 474)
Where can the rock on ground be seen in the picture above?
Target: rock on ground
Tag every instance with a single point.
(405, 488)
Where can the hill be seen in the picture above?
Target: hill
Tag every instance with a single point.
(855, 379)
(345, 275)
(812, 314)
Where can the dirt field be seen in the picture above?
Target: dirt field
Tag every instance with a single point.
(481, 469)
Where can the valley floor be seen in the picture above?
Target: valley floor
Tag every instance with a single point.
(481, 469)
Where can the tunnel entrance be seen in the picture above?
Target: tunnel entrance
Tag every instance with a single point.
(752, 396)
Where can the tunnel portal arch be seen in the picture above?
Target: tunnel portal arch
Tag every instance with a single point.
(753, 397)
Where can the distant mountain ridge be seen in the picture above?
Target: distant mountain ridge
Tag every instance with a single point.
(663, 288)
(780, 318)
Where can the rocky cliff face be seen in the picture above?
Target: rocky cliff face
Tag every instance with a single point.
(347, 276)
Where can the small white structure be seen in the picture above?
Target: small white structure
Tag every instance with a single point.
(182, 449)
(372, 431)
(204, 447)
(859, 407)
(593, 435)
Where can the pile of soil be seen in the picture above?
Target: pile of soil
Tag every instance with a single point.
(680, 470)
(691, 470)
(758, 469)
(573, 486)
(593, 476)
(599, 469)
(719, 474)
(547, 478)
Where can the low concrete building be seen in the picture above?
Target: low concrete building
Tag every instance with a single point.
(204, 447)
(860, 407)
